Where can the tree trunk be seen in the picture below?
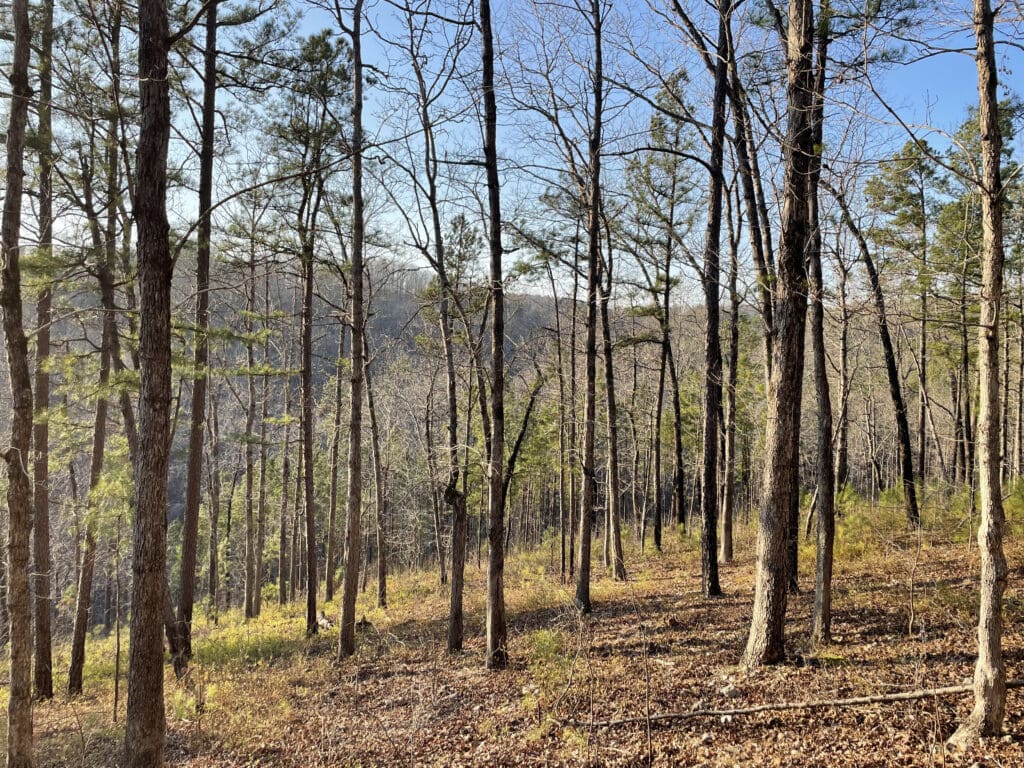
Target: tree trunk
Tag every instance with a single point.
(213, 485)
(250, 421)
(99, 443)
(144, 734)
(308, 396)
(41, 564)
(614, 492)
(990, 672)
(821, 621)
(332, 509)
(729, 497)
(193, 482)
(379, 490)
(842, 448)
(712, 275)
(282, 555)
(589, 490)
(766, 642)
(497, 632)
(16, 457)
(261, 492)
(347, 639)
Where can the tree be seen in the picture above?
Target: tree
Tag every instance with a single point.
(41, 561)
(766, 641)
(144, 733)
(353, 537)
(16, 457)
(197, 422)
(986, 717)
(497, 631)
(821, 621)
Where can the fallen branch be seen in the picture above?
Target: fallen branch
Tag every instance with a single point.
(857, 701)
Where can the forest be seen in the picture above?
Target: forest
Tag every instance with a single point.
(549, 382)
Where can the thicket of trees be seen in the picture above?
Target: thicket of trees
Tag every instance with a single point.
(538, 274)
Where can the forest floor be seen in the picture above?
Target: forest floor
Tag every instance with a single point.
(260, 694)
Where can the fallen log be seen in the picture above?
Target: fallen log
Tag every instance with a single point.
(856, 701)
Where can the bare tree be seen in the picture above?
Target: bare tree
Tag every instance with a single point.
(989, 672)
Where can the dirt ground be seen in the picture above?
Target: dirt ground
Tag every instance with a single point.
(652, 646)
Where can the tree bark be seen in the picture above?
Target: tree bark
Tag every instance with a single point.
(986, 718)
(379, 490)
(282, 555)
(353, 539)
(614, 492)
(99, 443)
(200, 355)
(497, 632)
(712, 275)
(249, 599)
(17, 456)
(766, 643)
(332, 510)
(308, 395)
(144, 733)
(589, 490)
(821, 621)
(41, 562)
(213, 486)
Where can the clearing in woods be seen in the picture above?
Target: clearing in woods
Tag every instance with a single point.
(259, 694)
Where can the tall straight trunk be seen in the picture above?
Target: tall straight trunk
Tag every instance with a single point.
(308, 405)
(614, 492)
(986, 718)
(563, 478)
(332, 510)
(435, 495)
(99, 443)
(294, 554)
(497, 632)
(1018, 451)
(144, 733)
(213, 486)
(712, 275)
(659, 408)
(282, 555)
(379, 491)
(249, 448)
(967, 434)
(1004, 424)
(922, 389)
(821, 621)
(891, 369)
(842, 448)
(41, 563)
(261, 492)
(573, 452)
(759, 240)
(201, 355)
(729, 496)
(347, 638)
(766, 642)
(589, 490)
(678, 467)
(228, 558)
(16, 457)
